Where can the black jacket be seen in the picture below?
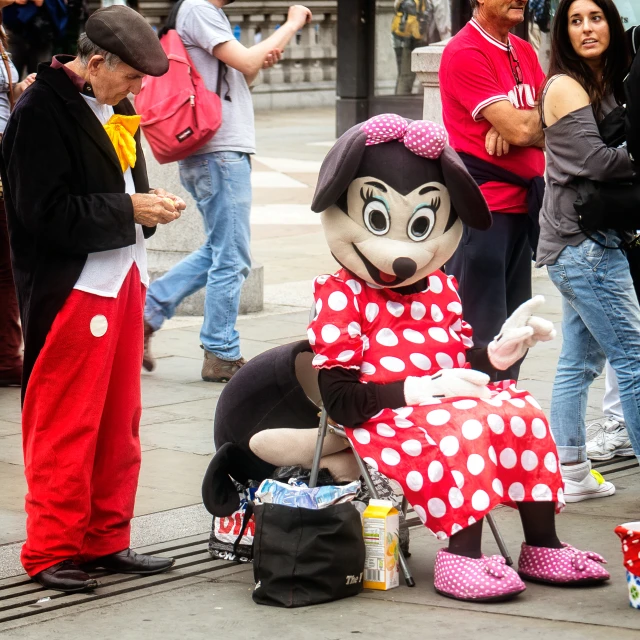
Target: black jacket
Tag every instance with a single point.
(64, 196)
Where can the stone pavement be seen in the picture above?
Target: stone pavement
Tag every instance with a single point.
(177, 443)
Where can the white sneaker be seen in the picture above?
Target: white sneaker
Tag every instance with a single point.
(593, 485)
(608, 438)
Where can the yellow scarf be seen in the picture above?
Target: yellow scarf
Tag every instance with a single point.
(120, 130)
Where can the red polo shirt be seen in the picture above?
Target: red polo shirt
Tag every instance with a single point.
(476, 71)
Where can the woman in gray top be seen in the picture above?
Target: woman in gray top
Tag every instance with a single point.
(10, 335)
(601, 316)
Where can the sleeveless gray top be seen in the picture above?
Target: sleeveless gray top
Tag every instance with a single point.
(574, 149)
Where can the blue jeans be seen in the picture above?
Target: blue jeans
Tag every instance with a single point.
(600, 321)
(220, 183)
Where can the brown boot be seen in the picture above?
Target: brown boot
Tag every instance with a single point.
(148, 361)
(216, 370)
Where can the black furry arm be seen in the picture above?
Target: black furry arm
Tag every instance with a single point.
(351, 402)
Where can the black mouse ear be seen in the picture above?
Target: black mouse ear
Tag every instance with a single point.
(339, 168)
(219, 493)
(466, 197)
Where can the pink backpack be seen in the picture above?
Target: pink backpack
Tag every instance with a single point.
(178, 113)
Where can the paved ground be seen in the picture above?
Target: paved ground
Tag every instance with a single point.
(177, 442)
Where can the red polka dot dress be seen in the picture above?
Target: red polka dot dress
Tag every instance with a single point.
(456, 458)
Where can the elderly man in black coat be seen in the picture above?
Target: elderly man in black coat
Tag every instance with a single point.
(79, 207)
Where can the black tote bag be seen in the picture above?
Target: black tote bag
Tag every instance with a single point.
(307, 556)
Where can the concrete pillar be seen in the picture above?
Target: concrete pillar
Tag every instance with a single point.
(425, 63)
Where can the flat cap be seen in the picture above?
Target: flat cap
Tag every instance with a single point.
(125, 33)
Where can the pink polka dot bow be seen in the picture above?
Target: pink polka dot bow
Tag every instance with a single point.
(424, 138)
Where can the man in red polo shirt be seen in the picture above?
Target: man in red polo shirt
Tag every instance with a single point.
(489, 84)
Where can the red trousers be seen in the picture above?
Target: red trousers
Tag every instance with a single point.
(80, 425)
(10, 334)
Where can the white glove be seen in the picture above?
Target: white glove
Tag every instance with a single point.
(448, 383)
(520, 332)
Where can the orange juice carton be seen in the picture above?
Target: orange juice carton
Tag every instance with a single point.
(381, 526)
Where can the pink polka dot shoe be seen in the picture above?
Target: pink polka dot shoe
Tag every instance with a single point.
(566, 566)
(486, 579)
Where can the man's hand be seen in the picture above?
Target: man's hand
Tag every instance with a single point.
(178, 202)
(273, 57)
(298, 16)
(150, 209)
(495, 144)
(521, 331)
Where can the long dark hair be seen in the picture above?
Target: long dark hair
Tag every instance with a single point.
(564, 59)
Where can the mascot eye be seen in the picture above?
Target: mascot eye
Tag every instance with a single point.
(376, 217)
(421, 224)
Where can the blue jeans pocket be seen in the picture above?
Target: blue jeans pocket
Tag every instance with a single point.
(558, 275)
(230, 156)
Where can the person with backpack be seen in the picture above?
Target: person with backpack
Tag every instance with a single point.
(218, 177)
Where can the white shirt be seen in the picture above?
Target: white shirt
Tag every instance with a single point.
(105, 271)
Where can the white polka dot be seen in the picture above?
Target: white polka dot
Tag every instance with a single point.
(437, 508)
(318, 306)
(449, 445)
(330, 333)
(395, 308)
(472, 429)
(444, 361)
(435, 471)
(516, 492)
(420, 512)
(402, 423)
(465, 404)
(541, 493)
(421, 361)
(322, 279)
(413, 336)
(533, 402)
(492, 455)
(345, 356)
(517, 402)
(454, 307)
(529, 460)
(455, 528)
(98, 326)
(385, 430)
(371, 311)
(365, 343)
(414, 481)
(459, 478)
(372, 463)
(436, 313)
(311, 336)
(551, 462)
(480, 500)
(412, 447)
(435, 284)
(392, 364)
(455, 336)
(319, 360)
(418, 310)
(561, 498)
(362, 436)
(475, 464)
(494, 402)
(390, 456)
(354, 330)
(356, 305)
(508, 458)
(497, 487)
(439, 335)
(457, 325)
(367, 369)
(450, 283)
(355, 286)
(496, 423)
(456, 499)
(518, 426)
(538, 428)
(403, 412)
(337, 301)
(386, 338)
(438, 417)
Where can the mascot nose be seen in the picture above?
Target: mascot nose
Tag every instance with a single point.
(404, 267)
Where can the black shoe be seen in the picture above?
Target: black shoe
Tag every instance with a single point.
(128, 561)
(65, 576)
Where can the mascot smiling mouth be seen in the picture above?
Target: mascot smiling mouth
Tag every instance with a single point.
(379, 277)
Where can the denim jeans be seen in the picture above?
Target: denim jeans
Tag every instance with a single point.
(600, 321)
(220, 183)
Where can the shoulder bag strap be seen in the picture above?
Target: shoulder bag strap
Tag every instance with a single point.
(5, 59)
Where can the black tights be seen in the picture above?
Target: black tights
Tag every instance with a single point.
(538, 523)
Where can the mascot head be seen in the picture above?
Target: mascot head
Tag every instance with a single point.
(393, 196)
